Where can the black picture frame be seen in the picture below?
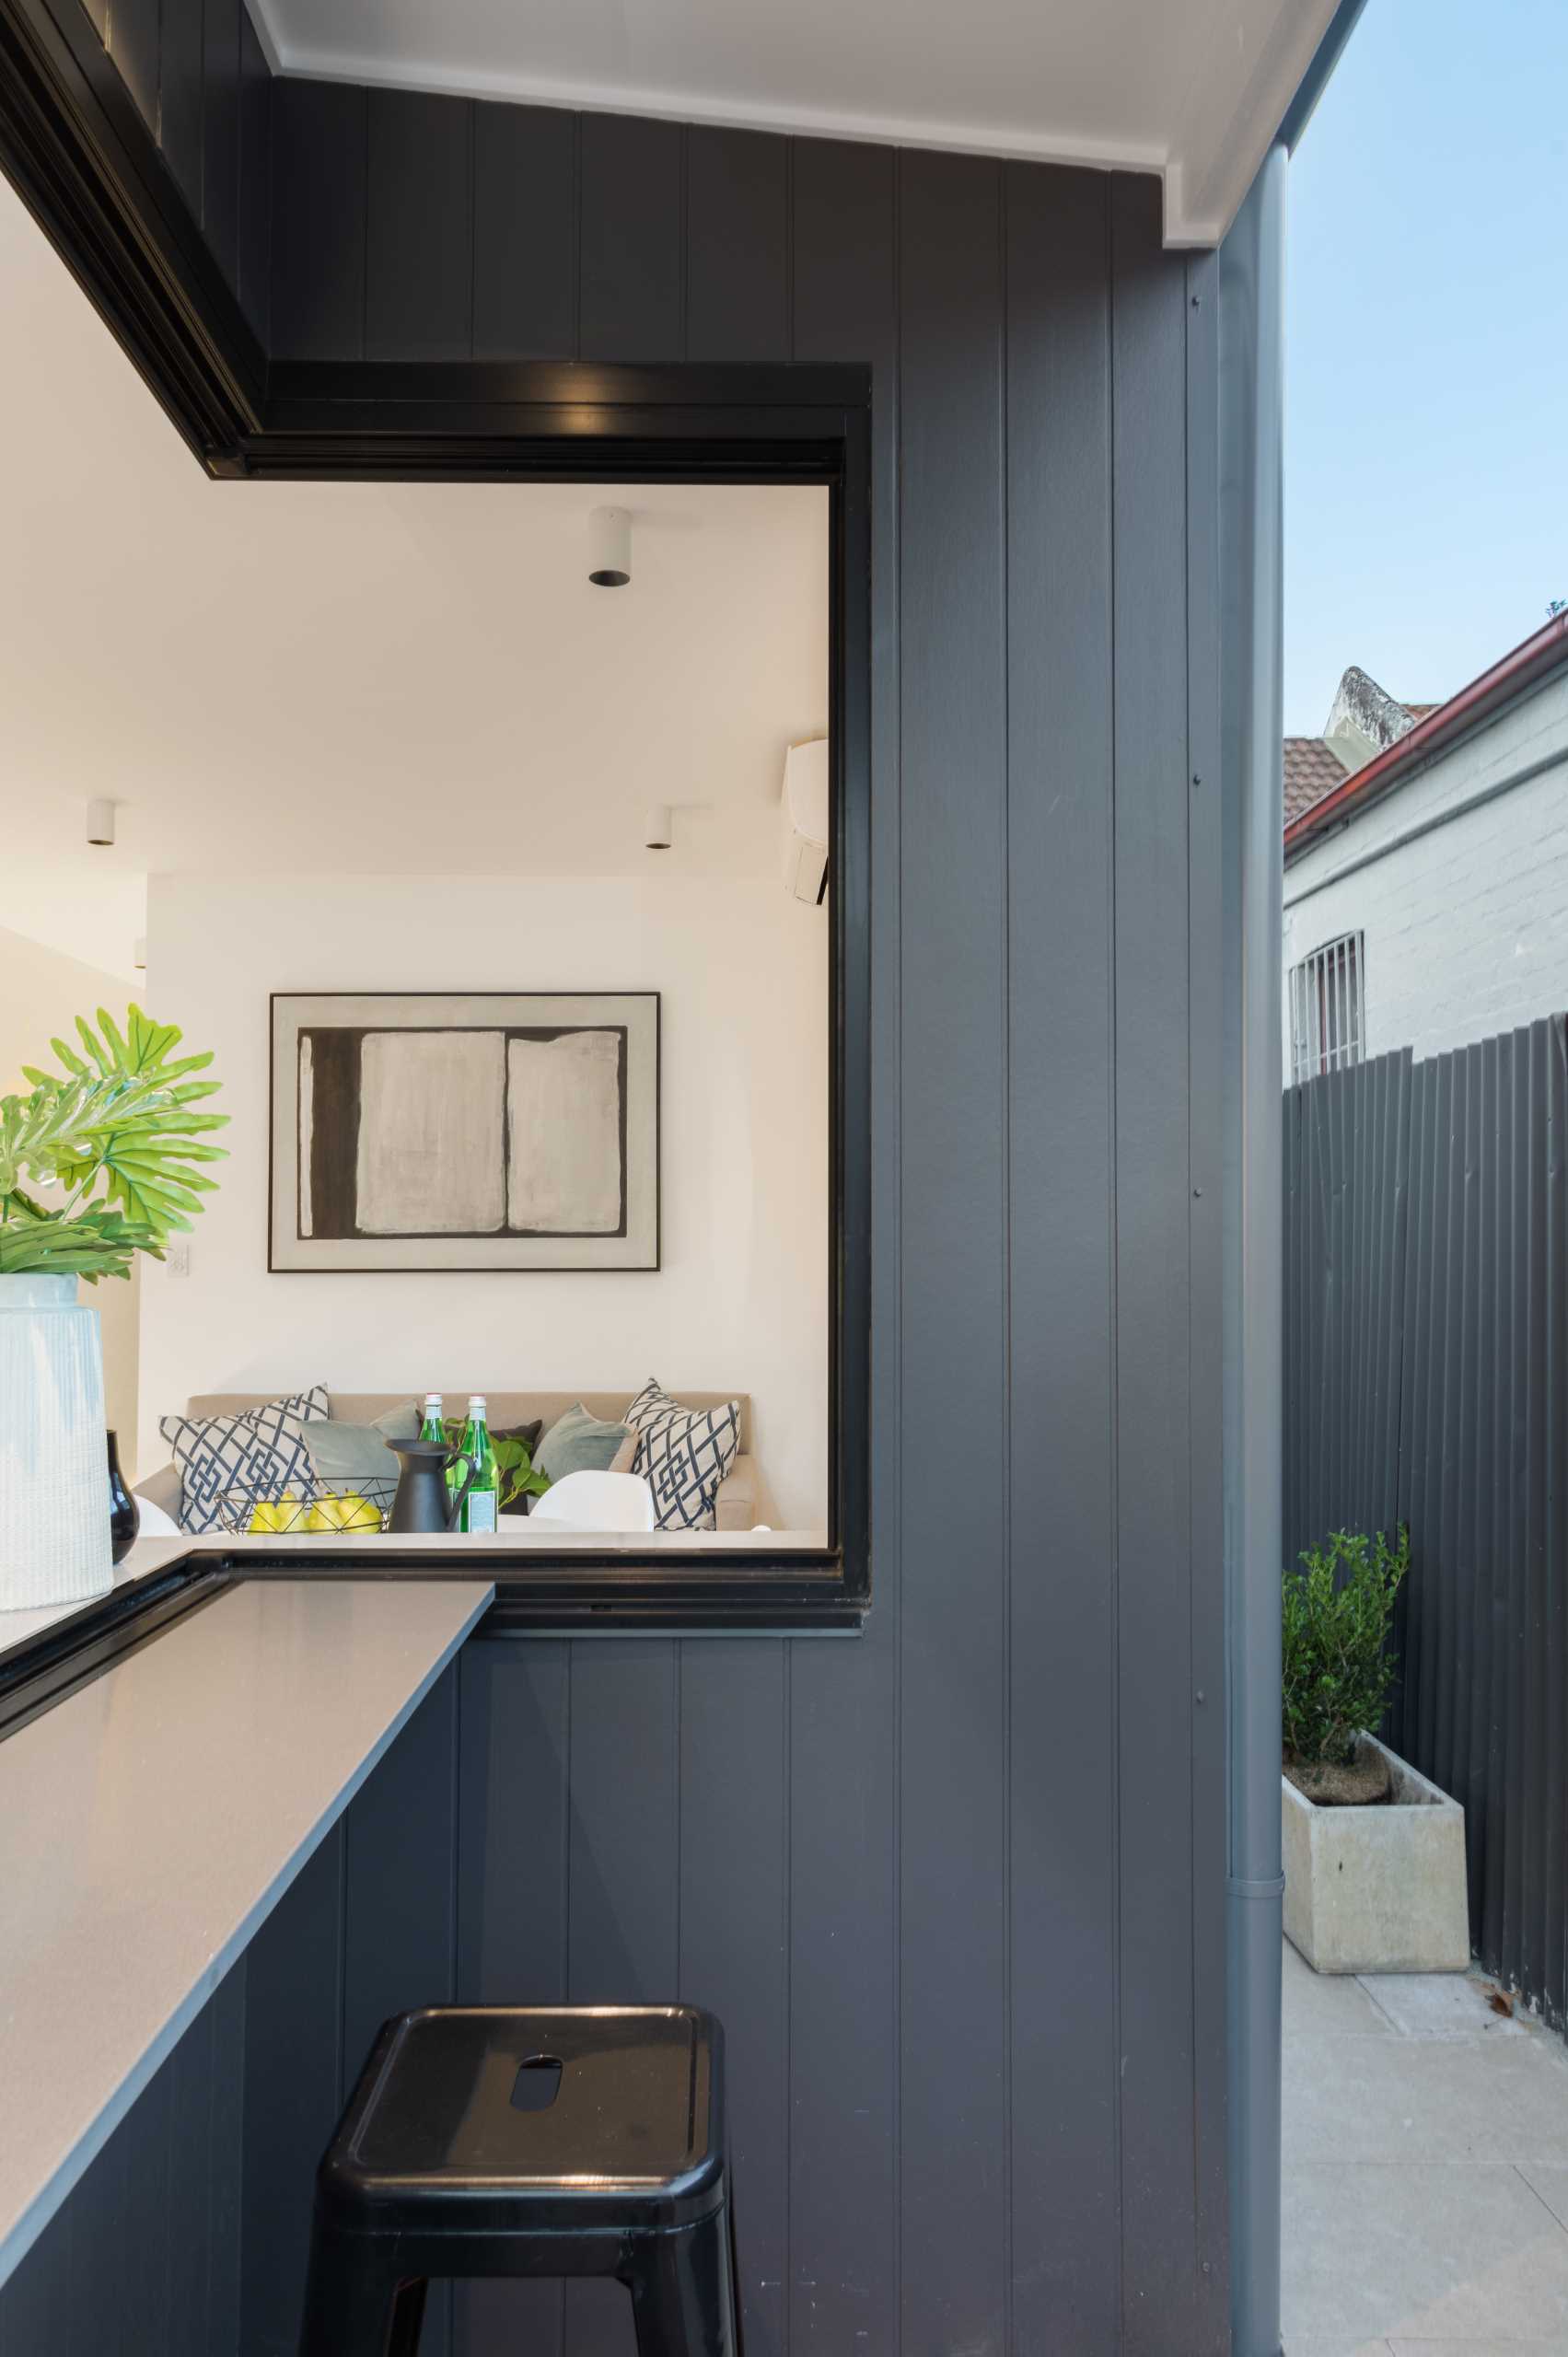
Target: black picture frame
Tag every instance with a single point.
(649, 1266)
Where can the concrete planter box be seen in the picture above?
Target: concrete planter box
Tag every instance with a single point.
(1378, 1889)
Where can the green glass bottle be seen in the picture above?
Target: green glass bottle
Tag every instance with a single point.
(433, 1428)
(482, 1503)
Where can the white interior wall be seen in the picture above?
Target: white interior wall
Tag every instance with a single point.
(742, 1298)
(42, 994)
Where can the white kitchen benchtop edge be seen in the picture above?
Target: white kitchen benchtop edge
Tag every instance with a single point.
(152, 1821)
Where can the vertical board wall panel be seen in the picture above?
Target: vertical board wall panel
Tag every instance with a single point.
(734, 1957)
(843, 1698)
(513, 1698)
(134, 46)
(400, 1903)
(142, 2258)
(953, 1803)
(220, 133)
(180, 93)
(631, 198)
(294, 2064)
(255, 181)
(737, 245)
(419, 227)
(525, 234)
(318, 153)
(1061, 801)
(939, 1880)
(624, 1869)
(1153, 1196)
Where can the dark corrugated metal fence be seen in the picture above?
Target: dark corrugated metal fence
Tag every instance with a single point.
(1426, 1351)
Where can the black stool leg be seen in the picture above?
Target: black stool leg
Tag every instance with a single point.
(356, 2303)
(683, 2292)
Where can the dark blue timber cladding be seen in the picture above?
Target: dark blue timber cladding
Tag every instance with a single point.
(525, 234)
(221, 72)
(955, 2020)
(199, 77)
(319, 157)
(631, 214)
(1063, 2143)
(254, 285)
(143, 2258)
(181, 107)
(1427, 1384)
(419, 217)
(955, 1886)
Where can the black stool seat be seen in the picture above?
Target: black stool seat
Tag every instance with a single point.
(522, 2140)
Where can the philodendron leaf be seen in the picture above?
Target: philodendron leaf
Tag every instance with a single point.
(122, 1115)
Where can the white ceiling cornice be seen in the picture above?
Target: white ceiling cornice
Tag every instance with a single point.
(1193, 90)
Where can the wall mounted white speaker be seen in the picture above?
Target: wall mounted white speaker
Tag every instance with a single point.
(806, 819)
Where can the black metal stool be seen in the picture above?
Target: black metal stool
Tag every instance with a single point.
(497, 2139)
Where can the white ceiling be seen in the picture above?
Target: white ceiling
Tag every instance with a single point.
(1193, 89)
(361, 678)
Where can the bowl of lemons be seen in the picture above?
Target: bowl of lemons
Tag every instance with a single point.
(318, 1510)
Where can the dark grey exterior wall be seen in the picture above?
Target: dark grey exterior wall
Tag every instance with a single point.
(200, 80)
(956, 1886)
(143, 2257)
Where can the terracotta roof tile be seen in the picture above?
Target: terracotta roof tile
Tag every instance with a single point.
(1311, 769)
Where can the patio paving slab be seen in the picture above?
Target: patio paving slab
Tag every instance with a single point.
(1411, 2099)
(1325, 2005)
(1434, 2251)
(1552, 2186)
(1426, 2171)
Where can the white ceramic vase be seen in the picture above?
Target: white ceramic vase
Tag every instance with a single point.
(55, 1536)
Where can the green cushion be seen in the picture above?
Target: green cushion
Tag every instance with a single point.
(345, 1452)
(578, 1443)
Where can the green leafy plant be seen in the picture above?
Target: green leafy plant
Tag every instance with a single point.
(116, 1131)
(1338, 1667)
(520, 1478)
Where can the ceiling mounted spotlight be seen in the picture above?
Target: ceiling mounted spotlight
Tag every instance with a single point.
(139, 953)
(610, 547)
(100, 822)
(658, 832)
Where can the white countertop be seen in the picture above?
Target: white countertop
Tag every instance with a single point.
(150, 1821)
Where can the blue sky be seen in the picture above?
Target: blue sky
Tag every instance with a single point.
(1426, 426)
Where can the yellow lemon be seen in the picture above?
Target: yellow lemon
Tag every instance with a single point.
(348, 1512)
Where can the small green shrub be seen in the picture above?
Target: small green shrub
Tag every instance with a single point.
(1338, 1667)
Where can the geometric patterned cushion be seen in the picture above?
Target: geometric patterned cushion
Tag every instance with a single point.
(260, 1452)
(683, 1454)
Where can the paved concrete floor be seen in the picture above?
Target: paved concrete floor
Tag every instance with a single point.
(1426, 2171)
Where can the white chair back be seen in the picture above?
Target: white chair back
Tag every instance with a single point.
(597, 1502)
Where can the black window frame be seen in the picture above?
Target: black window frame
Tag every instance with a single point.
(72, 142)
(700, 425)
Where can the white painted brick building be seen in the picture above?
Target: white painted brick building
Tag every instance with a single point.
(1442, 864)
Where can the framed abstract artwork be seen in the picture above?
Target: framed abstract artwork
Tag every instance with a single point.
(430, 1131)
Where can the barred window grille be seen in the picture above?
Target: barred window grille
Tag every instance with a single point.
(1327, 1029)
